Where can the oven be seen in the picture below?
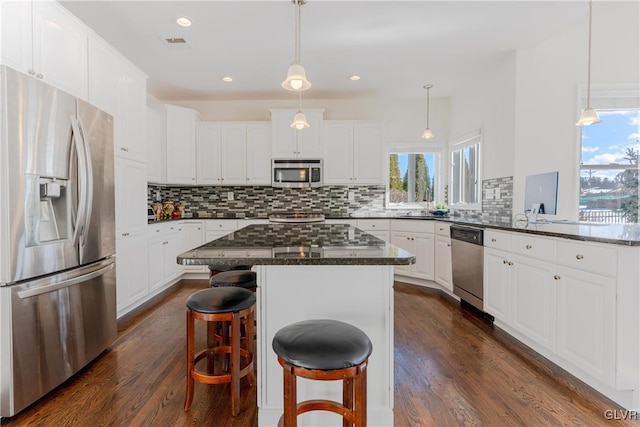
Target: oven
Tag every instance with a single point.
(296, 173)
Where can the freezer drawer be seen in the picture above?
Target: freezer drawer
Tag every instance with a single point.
(50, 328)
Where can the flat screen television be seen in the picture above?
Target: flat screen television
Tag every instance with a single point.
(542, 190)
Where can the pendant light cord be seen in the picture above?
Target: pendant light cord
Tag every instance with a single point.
(589, 58)
(297, 53)
(428, 107)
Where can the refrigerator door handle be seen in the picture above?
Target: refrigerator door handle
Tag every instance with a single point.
(63, 284)
(80, 147)
(89, 182)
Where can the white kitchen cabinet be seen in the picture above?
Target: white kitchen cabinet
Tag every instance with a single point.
(156, 173)
(119, 88)
(180, 140)
(377, 227)
(233, 153)
(292, 143)
(130, 181)
(44, 40)
(258, 153)
(416, 237)
(442, 266)
(191, 234)
(497, 284)
(353, 152)
(216, 228)
(131, 271)
(163, 248)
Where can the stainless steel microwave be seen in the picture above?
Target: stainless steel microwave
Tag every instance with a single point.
(296, 173)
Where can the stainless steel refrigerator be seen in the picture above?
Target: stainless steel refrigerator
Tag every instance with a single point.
(57, 238)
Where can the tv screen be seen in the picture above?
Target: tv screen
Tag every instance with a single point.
(542, 189)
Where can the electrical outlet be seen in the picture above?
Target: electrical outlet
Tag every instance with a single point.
(496, 193)
(488, 194)
(351, 196)
(230, 195)
(158, 195)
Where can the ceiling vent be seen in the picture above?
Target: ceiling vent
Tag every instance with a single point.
(175, 42)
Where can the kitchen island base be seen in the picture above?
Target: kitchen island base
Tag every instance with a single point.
(361, 295)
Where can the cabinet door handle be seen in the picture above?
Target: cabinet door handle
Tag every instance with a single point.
(492, 239)
(579, 256)
(32, 72)
(504, 261)
(39, 76)
(528, 247)
(448, 245)
(556, 277)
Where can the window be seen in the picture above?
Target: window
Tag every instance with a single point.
(465, 192)
(414, 175)
(609, 168)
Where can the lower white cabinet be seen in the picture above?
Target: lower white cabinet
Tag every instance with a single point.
(191, 234)
(131, 271)
(163, 249)
(556, 307)
(377, 227)
(417, 237)
(442, 255)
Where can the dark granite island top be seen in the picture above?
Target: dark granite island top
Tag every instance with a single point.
(297, 244)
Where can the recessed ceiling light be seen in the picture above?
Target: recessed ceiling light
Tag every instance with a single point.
(183, 21)
(354, 78)
(227, 79)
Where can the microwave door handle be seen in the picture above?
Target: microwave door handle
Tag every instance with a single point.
(82, 181)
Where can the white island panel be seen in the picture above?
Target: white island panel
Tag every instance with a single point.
(361, 295)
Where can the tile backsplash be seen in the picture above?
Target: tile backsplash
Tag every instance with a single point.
(260, 202)
(497, 202)
(333, 201)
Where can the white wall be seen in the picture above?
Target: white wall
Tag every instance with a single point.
(405, 118)
(548, 81)
(489, 103)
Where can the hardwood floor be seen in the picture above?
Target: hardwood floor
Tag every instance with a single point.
(451, 369)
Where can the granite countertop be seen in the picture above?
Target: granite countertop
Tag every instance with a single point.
(297, 244)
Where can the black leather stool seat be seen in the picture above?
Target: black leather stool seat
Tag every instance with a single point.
(322, 344)
(221, 300)
(237, 278)
(222, 268)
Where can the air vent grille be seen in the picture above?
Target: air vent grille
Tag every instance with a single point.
(175, 40)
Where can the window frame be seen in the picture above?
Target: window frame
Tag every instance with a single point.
(465, 140)
(418, 147)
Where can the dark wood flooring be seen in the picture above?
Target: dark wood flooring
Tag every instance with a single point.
(452, 368)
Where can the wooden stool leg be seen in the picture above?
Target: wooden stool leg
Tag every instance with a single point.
(190, 344)
(249, 343)
(347, 399)
(235, 364)
(361, 397)
(290, 415)
(211, 343)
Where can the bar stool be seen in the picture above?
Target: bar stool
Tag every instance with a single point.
(216, 269)
(324, 350)
(229, 304)
(239, 278)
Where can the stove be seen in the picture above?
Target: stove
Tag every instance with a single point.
(296, 216)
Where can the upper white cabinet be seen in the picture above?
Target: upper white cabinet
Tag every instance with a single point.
(153, 137)
(292, 143)
(180, 128)
(233, 153)
(119, 88)
(43, 39)
(354, 152)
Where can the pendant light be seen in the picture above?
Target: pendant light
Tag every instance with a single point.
(296, 80)
(299, 120)
(427, 134)
(588, 116)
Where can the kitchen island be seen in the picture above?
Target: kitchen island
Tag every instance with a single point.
(315, 271)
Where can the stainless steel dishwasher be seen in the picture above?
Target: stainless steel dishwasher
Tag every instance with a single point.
(467, 263)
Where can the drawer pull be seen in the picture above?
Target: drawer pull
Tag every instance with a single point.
(556, 277)
(510, 263)
(493, 239)
(528, 246)
(579, 256)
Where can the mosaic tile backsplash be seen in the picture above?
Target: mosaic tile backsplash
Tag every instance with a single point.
(260, 202)
(493, 209)
(333, 201)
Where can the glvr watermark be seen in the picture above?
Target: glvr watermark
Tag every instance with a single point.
(621, 414)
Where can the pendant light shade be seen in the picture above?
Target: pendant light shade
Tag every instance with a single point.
(588, 116)
(427, 134)
(296, 80)
(299, 120)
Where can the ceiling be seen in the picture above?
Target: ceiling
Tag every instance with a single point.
(395, 46)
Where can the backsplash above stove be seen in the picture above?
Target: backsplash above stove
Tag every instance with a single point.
(259, 202)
